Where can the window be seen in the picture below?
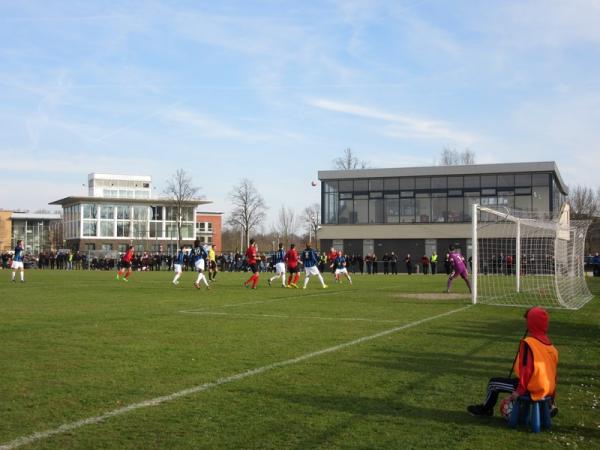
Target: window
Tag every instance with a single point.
(455, 209)
(345, 211)
(90, 247)
(423, 209)
(523, 179)
(523, 202)
(122, 248)
(541, 199)
(540, 179)
(488, 181)
(346, 186)
(472, 182)
(330, 186)
(89, 228)
(90, 211)
(423, 183)
(468, 203)
(361, 209)
(156, 212)
(376, 185)
(139, 230)
(106, 228)
(439, 208)
(392, 210)
(391, 184)
(156, 229)
(123, 212)
(455, 182)
(107, 247)
(361, 185)
(407, 183)
(439, 183)
(506, 180)
(407, 210)
(330, 208)
(376, 210)
(107, 212)
(140, 213)
(123, 229)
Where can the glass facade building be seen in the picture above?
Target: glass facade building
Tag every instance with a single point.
(419, 210)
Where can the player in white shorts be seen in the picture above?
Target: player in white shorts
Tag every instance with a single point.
(340, 267)
(199, 256)
(178, 265)
(17, 262)
(279, 260)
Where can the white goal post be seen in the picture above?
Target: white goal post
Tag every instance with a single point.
(521, 260)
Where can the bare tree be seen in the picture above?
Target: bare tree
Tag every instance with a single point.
(584, 202)
(349, 161)
(286, 225)
(453, 157)
(312, 216)
(249, 208)
(180, 191)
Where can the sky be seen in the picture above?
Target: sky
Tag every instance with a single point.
(274, 91)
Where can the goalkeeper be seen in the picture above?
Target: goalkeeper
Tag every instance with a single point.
(459, 268)
(534, 366)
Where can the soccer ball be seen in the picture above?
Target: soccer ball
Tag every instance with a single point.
(506, 407)
(313, 183)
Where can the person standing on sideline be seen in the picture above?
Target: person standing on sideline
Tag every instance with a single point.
(279, 262)
(291, 258)
(340, 265)
(212, 263)
(386, 264)
(425, 264)
(199, 257)
(252, 261)
(408, 262)
(310, 261)
(125, 270)
(433, 260)
(17, 262)
(394, 263)
(178, 264)
(459, 269)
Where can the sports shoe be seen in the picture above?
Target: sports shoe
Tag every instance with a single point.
(196, 285)
(294, 285)
(175, 283)
(207, 288)
(480, 410)
(303, 287)
(325, 286)
(269, 281)
(125, 280)
(284, 286)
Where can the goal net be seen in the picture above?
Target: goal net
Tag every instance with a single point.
(519, 260)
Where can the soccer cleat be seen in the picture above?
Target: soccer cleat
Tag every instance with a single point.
(284, 286)
(125, 280)
(269, 281)
(287, 286)
(208, 288)
(196, 285)
(480, 410)
(294, 285)
(303, 287)
(175, 283)
(325, 286)
(253, 287)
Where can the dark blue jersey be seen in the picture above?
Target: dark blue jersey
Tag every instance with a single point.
(199, 253)
(179, 259)
(309, 257)
(339, 262)
(279, 256)
(18, 254)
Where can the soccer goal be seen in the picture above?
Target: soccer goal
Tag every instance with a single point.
(521, 260)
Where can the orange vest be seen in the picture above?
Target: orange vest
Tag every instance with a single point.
(545, 360)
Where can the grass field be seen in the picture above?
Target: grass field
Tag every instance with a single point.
(345, 367)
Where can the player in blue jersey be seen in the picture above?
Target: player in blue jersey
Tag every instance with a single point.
(310, 260)
(178, 264)
(279, 262)
(339, 264)
(17, 262)
(200, 258)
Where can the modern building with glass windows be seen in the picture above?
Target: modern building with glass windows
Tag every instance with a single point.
(120, 211)
(419, 210)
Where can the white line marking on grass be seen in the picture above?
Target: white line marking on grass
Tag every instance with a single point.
(281, 316)
(25, 440)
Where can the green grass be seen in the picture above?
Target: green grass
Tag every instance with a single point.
(75, 345)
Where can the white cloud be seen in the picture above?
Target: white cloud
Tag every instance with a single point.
(400, 125)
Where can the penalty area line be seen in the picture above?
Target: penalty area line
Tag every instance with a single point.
(37, 436)
(283, 316)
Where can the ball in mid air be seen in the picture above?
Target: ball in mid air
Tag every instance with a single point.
(313, 183)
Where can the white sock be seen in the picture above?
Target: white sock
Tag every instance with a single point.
(306, 280)
(321, 279)
(177, 275)
(283, 279)
(349, 279)
(201, 277)
(22, 275)
(14, 274)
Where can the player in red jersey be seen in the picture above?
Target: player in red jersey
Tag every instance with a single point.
(291, 259)
(126, 265)
(252, 260)
(331, 258)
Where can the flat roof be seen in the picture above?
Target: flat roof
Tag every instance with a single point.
(139, 201)
(112, 176)
(35, 216)
(471, 169)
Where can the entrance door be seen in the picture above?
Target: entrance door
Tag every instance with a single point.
(430, 246)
